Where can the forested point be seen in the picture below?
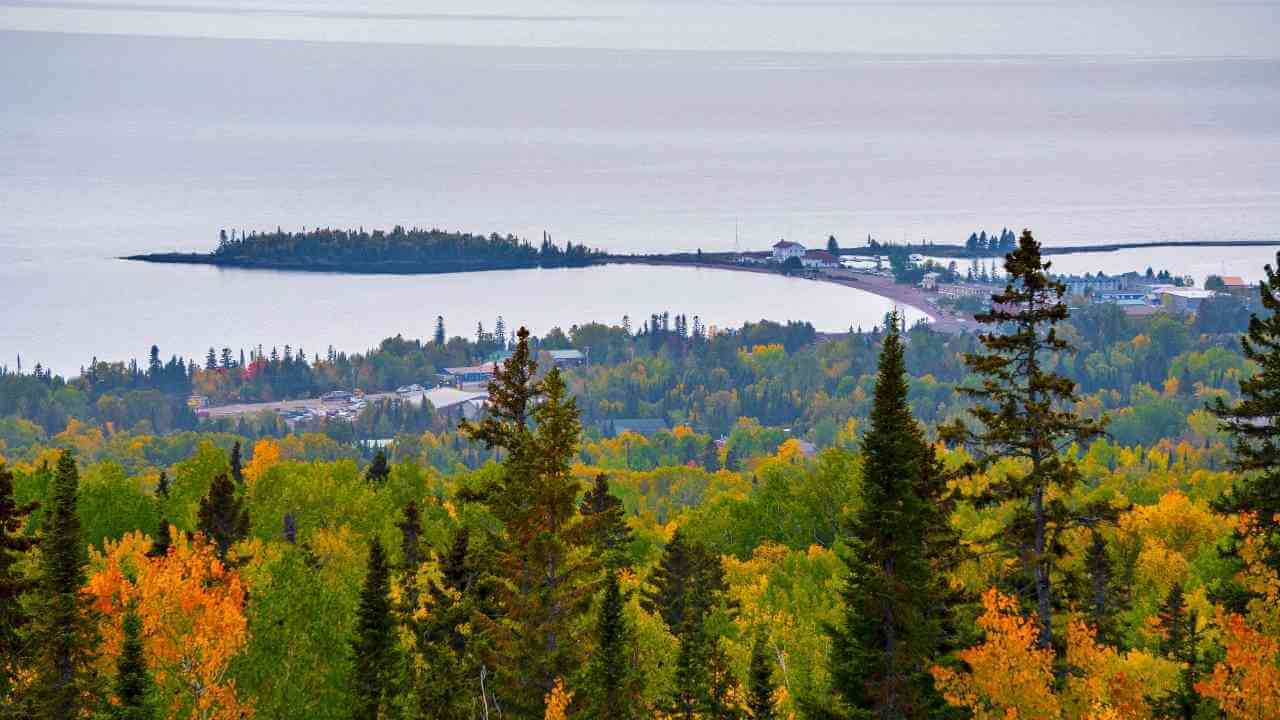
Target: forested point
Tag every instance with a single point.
(401, 250)
(992, 541)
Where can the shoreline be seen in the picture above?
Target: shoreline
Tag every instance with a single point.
(939, 319)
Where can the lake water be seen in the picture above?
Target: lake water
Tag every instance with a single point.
(135, 127)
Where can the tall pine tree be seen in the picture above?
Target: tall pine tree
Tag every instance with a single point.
(760, 689)
(222, 516)
(375, 664)
(611, 692)
(890, 630)
(1253, 424)
(606, 521)
(237, 465)
(1024, 412)
(14, 544)
(133, 681)
(543, 565)
(65, 634)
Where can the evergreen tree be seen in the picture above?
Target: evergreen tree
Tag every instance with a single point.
(438, 338)
(1104, 599)
(133, 680)
(685, 567)
(163, 540)
(1180, 642)
(833, 246)
(711, 457)
(705, 687)
(606, 521)
(222, 516)
(543, 565)
(760, 687)
(411, 556)
(1252, 424)
(162, 486)
(14, 544)
(890, 630)
(237, 470)
(1024, 411)
(65, 633)
(374, 661)
(611, 691)
(448, 683)
(379, 470)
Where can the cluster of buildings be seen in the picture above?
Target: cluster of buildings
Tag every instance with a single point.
(1137, 294)
(784, 250)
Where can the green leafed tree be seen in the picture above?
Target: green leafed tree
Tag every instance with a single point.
(1023, 412)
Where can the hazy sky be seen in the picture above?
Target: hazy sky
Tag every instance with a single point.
(992, 27)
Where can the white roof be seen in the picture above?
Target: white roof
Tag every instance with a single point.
(1190, 293)
(444, 397)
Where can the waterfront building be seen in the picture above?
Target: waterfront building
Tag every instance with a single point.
(785, 249)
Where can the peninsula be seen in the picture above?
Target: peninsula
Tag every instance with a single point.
(400, 251)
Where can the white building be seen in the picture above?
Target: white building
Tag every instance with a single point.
(819, 259)
(785, 249)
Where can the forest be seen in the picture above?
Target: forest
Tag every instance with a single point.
(1063, 516)
(399, 250)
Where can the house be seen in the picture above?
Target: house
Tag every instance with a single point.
(1236, 285)
(472, 375)
(1184, 300)
(930, 281)
(336, 396)
(1092, 284)
(785, 249)
(819, 259)
(639, 426)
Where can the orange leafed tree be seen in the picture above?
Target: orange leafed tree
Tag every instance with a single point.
(1247, 683)
(193, 621)
(1009, 676)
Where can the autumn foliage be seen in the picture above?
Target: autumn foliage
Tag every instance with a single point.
(193, 621)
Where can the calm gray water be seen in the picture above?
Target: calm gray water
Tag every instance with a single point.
(147, 126)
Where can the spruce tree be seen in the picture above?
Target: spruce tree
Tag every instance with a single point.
(685, 567)
(65, 635)
(1180, 642)
(222, 516)
(611, 691)
(890, 630)
(14, 544)
(163, 540)
(438, 337)
(760, 687)
(1252, 424)
(374, 660)
(133, 681)
(162, 486)
(448, 682)
(1023, 410)
(606, 521)
(543, 565)
(411, 556)
(237, 468)
(379, 470)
